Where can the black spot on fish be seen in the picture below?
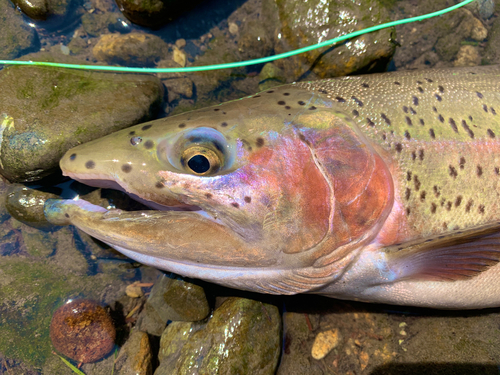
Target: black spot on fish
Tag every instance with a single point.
(340, 99)
(408, 176)
(300, 102)
(159, 185)
(421, 154)
(384, 137)
(386, 119)
(479, 95)
(441, 88)
(370, 122)
(422, 122)
(441, 118)
(422, 196)
(126, 168)
(287, 93)
(458, 200)
(149, 144)
(437, 193)
(462, 163)
(492, 110)
(413, 155)
(452, 171)
(434, 109)
(311, 108)
(438, 97)
(485, 108)
(366, 85)
(405, 109)
(431, 133)
(479, 171)
(72, 157)
(467, 129)
(235, 205)
(480, 209)
(469, 205)
(182, 125)
(224, 124)
(420, 89)
(397, 83)
(288, 107)
(270, 91)
(208, 196)
(408, 211)
(419, 82)
(248, 199)
(355, 113)
(445, 225)
(256, 96)
(407, 193)
(281, 102)
(448, 206)
(260, 142)
(216, 109)
(399, 147)
(416, 182)
(90, 164)
(407, 135)
(132, 132)
(470, 118)
(443, 201)
(453, 125)
(433, 208)
(497, 171)
(146, 127)
(408, 121)
(412, 111)
(415, 100)
(66, 215)
(323, 92)
(429, 80)
(357, 101)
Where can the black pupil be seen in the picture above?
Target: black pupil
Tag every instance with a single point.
(199, 164)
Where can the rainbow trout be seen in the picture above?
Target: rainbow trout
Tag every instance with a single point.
(381, 188)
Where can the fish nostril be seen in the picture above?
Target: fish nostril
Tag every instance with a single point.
(72, 157)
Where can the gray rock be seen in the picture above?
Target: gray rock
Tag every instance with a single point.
(483, 8)
(135, 357)
(46, 111)
(172, 299)
(300, 27)
(55, 10)
(16, 37)
(242, 337)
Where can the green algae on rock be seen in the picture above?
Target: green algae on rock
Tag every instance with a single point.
(45, 111)
(242, 337)
(16, 37)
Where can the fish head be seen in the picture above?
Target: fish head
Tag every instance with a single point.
(251, 169)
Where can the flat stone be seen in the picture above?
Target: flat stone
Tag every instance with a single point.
(46, 111)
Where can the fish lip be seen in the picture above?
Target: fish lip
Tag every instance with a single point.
(87, 177)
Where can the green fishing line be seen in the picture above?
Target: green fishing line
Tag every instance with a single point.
(327, 43)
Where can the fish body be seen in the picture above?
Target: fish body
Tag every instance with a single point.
(380, 188)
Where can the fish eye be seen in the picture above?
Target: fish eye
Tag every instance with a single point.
(201, 160)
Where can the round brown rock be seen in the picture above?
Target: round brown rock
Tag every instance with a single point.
(82, 331)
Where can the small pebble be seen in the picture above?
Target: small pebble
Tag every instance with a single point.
(134, 291)
(82, 330)
(233, 28)
(324, 343)
(180, 43)
(179, 57)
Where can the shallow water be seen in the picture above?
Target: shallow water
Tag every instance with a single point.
(41, 268)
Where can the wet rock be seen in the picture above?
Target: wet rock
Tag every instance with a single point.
(135, 357)
(154, 13)
(55, 11)
(253, 347)
(467, 56)
(134, 49)
(492, 51)
(172, 299)
(95, 24)
(255, 40)
(307, 23)
(26, 205)
(40, 107)
(82, 330)
(178, 88)
(271, 76)
(16, 37)
(173, 339)
(483, 8)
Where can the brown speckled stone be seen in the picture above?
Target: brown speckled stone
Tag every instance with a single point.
(83, 331)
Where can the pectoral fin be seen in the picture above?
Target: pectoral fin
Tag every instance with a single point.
(457, 256)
